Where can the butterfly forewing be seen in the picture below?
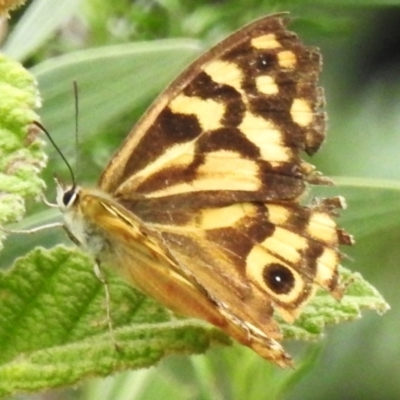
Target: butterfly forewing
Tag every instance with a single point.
(210, 181)
(232, 124)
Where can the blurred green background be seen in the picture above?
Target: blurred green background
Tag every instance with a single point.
(89, 40)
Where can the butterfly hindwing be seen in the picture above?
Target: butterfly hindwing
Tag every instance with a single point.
(265, 253)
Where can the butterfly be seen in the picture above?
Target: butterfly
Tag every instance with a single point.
(201, 207)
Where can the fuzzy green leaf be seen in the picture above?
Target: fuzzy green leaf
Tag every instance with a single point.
(53, 326)
(21, 154)
(325, 310)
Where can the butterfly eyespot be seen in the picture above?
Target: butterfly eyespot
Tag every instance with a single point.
(69, 197)
(265, 62)
(278, 278)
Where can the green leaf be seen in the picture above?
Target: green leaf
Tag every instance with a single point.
(373, 204)
(41, 19)
(21, 153)
(53, 326)
(141, 68)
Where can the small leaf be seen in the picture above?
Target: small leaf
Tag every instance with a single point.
(53, 326)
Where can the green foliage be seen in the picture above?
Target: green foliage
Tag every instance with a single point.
(46, 341)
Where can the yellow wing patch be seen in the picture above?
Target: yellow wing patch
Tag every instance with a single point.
(265, 42)
(223, 72)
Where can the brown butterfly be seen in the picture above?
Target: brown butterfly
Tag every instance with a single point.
(200, 208)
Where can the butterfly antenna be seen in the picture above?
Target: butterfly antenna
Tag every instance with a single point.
(71, 172)
(76, 97)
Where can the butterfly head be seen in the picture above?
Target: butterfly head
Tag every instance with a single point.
(67, 196)
(68, 202)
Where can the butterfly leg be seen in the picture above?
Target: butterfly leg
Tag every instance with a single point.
(47, 202)
(33, 230)
(100, 276)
